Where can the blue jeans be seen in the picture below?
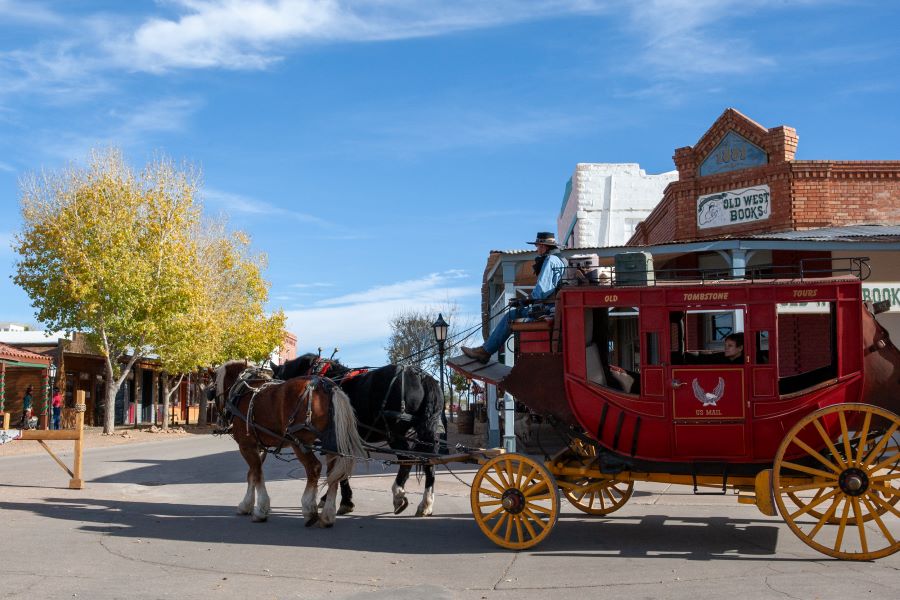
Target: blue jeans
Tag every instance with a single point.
(501, 331)
(56, 411)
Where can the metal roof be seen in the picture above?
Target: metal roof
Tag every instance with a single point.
(850, 233)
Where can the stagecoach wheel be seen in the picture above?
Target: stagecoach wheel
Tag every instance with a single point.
(591, 495)
(892, 448)
(515, 501)
(839, 495)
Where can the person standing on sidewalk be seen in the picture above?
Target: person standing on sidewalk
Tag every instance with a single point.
(27, 400)
(56, 404)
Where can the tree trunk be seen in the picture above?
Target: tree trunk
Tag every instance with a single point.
(201, 397)
(165, 395)
(112, 388)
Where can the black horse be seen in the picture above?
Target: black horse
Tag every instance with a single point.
(390, 402)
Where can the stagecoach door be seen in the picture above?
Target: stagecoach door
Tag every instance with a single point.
(708, 392)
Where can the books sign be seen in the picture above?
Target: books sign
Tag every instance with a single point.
(733, 207)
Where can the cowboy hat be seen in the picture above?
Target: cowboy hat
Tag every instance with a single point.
(546, 238)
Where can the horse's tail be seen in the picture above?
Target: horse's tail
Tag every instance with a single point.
(349, 443)
(434, 408)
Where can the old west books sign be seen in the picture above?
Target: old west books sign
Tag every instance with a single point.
(734, 207)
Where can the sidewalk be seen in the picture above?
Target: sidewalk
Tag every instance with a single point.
(94, 438)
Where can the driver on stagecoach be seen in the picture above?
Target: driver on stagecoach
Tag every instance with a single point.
(549, 268)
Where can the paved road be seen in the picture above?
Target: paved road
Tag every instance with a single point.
(158, 521)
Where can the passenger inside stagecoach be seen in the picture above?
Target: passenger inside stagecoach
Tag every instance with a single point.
(733, 349)
(549, 267)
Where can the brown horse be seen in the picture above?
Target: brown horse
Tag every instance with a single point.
(265, 413)
(881, 363)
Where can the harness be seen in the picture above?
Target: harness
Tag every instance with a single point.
(242, 386)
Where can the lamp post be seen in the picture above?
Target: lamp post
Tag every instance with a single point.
(51, 383)
(440, 336)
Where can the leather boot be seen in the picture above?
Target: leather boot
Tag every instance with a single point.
(479, 353)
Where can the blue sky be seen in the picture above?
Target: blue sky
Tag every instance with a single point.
(377, 150)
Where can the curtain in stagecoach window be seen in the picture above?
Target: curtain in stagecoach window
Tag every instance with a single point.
(807, 345)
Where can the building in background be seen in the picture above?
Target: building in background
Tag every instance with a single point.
(604, 203)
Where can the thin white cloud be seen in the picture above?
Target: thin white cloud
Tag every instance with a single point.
(251, 34)
(317, 284)
(7, 167)
(684, 38)
(359, 322)
(245, 205)
(28, 12)
(126, 128)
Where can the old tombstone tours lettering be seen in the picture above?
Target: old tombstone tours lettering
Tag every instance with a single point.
(733, 207)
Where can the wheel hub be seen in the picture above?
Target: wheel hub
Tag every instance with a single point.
(513, 501)
(853, 482)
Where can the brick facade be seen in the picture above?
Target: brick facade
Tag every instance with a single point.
(804, 194)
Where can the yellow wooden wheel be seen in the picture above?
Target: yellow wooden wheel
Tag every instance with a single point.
(839, 495)
(594, 496)
(801, 499)
(515, 501)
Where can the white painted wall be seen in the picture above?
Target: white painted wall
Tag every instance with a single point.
(607, 201)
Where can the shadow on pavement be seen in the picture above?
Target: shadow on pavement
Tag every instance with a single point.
(651, 536)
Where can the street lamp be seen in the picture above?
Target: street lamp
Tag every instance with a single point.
(440, 336)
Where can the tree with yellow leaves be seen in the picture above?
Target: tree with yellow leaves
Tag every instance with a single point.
(119, 255)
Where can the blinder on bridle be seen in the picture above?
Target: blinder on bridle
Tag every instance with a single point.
(876, 308)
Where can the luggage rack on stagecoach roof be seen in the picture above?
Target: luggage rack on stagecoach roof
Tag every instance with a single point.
(807, 268)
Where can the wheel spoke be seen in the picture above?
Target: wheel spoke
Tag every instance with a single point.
(825, 518)
(490, 502)
(548, 496)
(886, 490)
(500, 521)
(509, 528)
(535, 488)
(860, 524)
(497, 485)
(888, 477)
(518, 478)
(862, 438)
(509, 473)
(841, 527)
(809, 470)
(884, 464)
(885, 439)
(824, 435)
(845, 434)
(519, 531)
(594, 497)
(808, 486)
(877, 518)
(885, 505)
(812, 452)
(536, 519)
(501, 475)
(527, 523)
(539, 508)
(522, 480)
(814, 504)
(494, 513)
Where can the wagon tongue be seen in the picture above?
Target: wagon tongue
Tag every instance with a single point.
(491, 372)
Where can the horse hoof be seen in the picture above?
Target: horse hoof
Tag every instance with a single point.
(345, 509)
(399, 508)
(312, 520)
(422, 513)
(259, 519)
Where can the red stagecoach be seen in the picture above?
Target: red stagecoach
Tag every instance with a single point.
(803, 424)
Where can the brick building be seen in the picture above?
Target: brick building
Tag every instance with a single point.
(18, 370)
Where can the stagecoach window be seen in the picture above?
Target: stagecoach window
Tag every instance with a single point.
(698, 335)
(613, 348)
(807, 345)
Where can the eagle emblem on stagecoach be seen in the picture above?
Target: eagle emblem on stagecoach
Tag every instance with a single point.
(709, 398)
